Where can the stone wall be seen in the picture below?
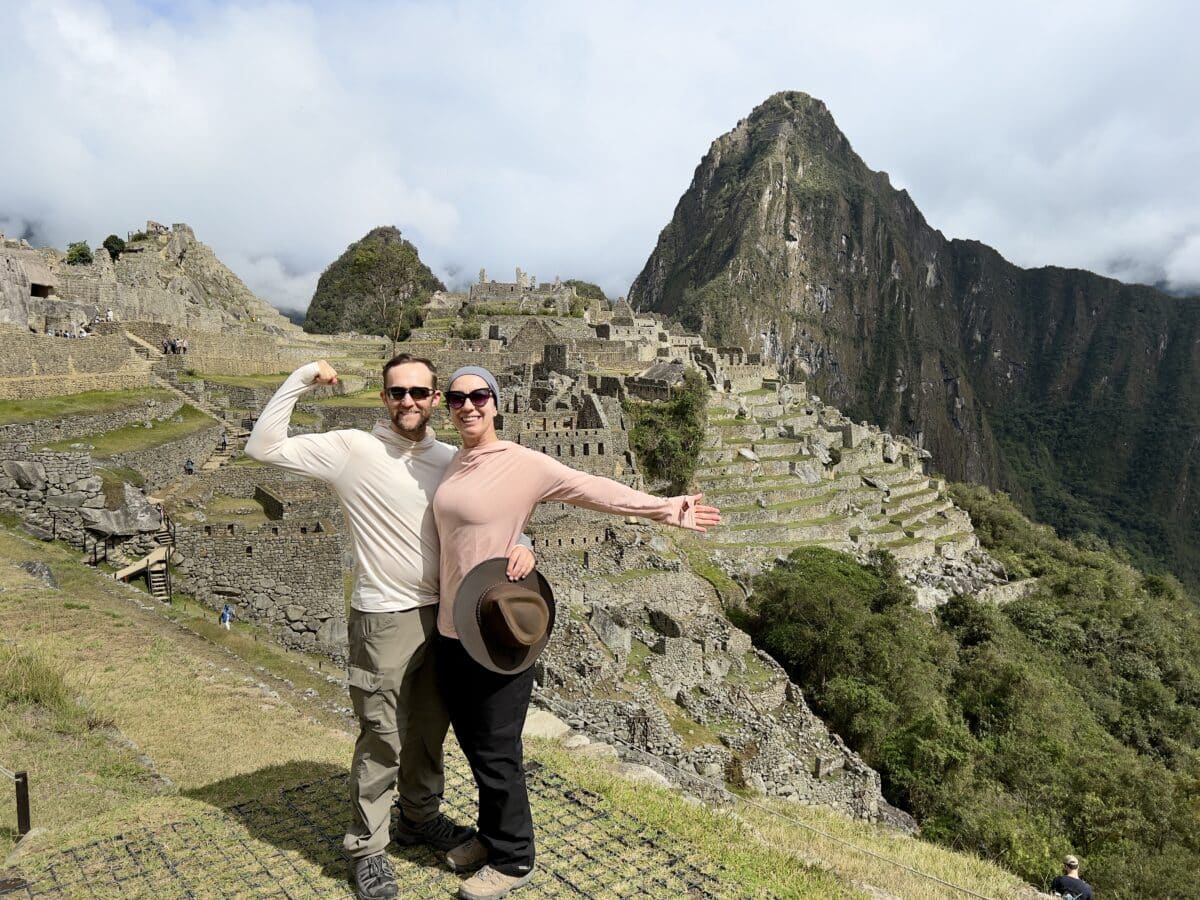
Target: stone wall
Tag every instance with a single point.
(49, 431)
(336, 417)
(588, 450)
(285, 577)
(164, 462)
(307, 499)
(47, 489)
(39, 365)
(229, 354)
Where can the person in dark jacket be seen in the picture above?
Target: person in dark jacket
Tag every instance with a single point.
(1069, 884)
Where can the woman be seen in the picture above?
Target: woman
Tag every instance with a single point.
(484, 501)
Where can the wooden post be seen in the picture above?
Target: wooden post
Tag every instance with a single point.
(22, 780)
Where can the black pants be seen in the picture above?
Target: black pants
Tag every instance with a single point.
(487, 710)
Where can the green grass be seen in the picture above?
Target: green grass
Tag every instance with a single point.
(751, 526)
(240, 510)
(784, 507)
(299, 417)
(755, 675)
(697, 556)
(246, 381)
(86, 404)
(114, 480)
(132, 437)
(365, 397)
(242, 740)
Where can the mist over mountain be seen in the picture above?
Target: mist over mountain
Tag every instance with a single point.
(1076, 392)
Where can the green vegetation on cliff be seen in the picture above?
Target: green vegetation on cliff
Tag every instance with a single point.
(666, 437)
(79, 254)
(376, 287)
(1066, 721)
(586, 289)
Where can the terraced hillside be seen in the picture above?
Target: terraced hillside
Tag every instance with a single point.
(788, 471)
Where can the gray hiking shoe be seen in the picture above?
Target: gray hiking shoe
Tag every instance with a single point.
(441, 832)
(467, 857)
(374, 878)
(488, 884)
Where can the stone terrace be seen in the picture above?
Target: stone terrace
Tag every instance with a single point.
(788, 471)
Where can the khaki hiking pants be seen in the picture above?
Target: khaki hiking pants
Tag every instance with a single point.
(402, 723)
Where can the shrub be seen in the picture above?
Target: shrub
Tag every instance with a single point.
(1068, 720)
(79, 254)
(667, 437)
(115, 246)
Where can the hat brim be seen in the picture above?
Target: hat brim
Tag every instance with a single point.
(466, 617)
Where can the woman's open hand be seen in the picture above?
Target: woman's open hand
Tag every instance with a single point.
(694, 516)
(520, 562)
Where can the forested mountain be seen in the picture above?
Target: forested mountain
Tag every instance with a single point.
(375, 287)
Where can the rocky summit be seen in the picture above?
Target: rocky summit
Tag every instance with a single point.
(1077, 393)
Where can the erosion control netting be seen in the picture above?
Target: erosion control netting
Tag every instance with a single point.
(290, 846)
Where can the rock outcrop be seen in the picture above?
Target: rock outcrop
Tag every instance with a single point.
(163, 275)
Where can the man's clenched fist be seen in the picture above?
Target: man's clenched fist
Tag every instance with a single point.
(325, 373)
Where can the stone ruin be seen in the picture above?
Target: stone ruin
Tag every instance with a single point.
(643, 655)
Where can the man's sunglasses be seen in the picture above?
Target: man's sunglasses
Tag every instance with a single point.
(417, 393)
(478, 397)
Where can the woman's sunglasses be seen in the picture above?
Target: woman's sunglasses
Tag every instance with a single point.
(417, 393)
(478, 397)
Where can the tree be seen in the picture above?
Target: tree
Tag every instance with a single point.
(115, 246)
(388, 282)
(586, 289)
(667, 437)
(79, 254)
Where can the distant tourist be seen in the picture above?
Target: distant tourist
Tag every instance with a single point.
(226, 615)
(1069, 885)
(385, 480)
(224, 441)
(189, 467)
(108, 316)
(183, 345)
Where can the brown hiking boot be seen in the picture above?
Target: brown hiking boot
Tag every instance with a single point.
(467, 857)
(488, 884)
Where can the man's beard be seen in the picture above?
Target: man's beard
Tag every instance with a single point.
(422, 421)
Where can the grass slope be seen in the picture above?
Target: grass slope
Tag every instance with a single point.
(135, 437)
(89, 403)
(160, 716)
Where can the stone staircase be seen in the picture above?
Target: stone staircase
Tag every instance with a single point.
(787, 471)
(220, 457)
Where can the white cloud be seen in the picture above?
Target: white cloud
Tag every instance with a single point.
(558, 136)
(1183, 265)
(267, 276)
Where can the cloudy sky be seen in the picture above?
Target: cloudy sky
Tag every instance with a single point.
(558, 136)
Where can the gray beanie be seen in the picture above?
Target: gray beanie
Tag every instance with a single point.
(482, 373)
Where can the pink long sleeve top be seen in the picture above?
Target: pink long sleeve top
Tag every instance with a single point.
(488, 494)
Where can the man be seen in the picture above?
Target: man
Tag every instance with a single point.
(1069, 884)
(385, 480)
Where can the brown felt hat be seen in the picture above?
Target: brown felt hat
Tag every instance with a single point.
(504, 625)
